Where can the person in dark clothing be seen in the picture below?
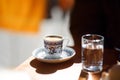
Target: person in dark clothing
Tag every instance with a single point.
(96, 17)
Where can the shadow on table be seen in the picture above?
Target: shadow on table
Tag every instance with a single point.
(47, 68)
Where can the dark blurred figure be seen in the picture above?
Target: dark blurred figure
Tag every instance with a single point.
(50, 5)
(96, 17)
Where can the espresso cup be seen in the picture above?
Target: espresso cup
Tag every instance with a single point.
(53, 45)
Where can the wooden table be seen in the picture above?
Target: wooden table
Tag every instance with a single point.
(69, 70)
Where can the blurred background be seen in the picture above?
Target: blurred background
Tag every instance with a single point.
(24, 23)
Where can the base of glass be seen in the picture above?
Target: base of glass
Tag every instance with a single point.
(92, 69)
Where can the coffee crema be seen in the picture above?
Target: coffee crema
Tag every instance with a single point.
(53, 38)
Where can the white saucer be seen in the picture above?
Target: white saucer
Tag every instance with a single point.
(67, 53)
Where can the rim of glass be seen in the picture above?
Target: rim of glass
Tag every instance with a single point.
(100, 36)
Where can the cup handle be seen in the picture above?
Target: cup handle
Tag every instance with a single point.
(65, 43)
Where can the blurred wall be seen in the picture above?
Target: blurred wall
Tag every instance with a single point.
(17, 47)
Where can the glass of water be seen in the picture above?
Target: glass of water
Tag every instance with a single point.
(92, 52)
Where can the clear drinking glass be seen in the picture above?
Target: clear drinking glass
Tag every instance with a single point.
(92, 52)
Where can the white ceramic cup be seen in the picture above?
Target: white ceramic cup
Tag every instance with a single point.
(53, 45)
